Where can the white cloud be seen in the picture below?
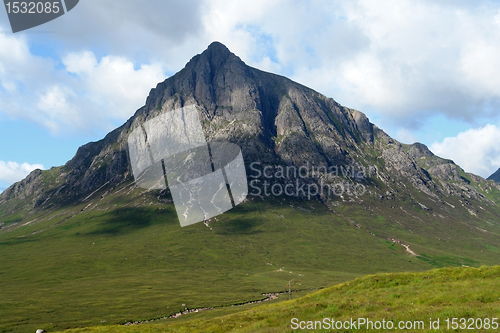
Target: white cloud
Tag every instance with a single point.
(480, 64)
(151, 31)
(406, 60)
(475, 150)
(53, 110)
(84, 94)
(112, 83)
(11, 172)
(406, 136)
(226, 21)
(422, 57)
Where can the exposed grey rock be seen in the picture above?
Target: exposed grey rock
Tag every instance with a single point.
(273, 119)
(419, 150)
(495, 176)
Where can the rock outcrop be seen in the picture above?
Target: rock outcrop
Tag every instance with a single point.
(495, 176)
(273, 119)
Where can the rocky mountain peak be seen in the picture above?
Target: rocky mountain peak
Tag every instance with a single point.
(272, 118)
(419, 150)
(495, 176)
(217, 54)
(214, 58)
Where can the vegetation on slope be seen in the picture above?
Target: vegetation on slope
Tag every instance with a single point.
(412, 299)
(123, 257)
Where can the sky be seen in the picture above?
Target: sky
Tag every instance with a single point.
(426, 71)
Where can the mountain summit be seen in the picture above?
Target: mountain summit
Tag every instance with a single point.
(276, 122)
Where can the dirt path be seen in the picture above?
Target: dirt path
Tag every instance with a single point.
(407, 247)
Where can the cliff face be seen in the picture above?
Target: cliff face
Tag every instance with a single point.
(495, 176)
(274, 120)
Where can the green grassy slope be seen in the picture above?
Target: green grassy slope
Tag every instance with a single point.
(408, 298)
(123, 257)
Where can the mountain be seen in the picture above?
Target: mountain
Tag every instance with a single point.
(274, 120)
(495, 176)
(359, 202)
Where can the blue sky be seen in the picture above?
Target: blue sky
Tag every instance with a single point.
(424, 71)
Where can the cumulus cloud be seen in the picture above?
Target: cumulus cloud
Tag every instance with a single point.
(84, 93)
(475, 150)
(404, 61)
(406, 136)
(151, 31)
(113, 83)
(11, 172)
(414, 59)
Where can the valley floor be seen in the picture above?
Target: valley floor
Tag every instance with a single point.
(126, 259)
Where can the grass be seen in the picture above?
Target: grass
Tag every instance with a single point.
(402, 297)
(77, 269)
(123, 257)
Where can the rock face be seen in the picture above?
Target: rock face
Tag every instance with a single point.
(273, 119)
(495, 176)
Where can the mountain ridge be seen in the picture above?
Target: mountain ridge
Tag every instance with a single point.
(274, 119)
(495, 176)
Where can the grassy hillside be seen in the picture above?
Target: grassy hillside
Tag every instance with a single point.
(412, 299)
(123, 257)
(81, 245)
